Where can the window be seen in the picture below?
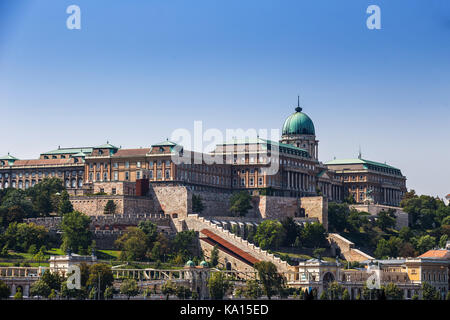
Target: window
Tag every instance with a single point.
(150, 173)
(90, 176)
(97, 178)
(113, 191)
(234, 181)
(260, 181)
(105, 176)
(116, 165)
(127, 175)
(116, 175)
(127, 164)
(242, 182)
(106, 166)
(168, 163)
(138, 175)
(158, 174)
(167, 174)
(150, 165)
(252, 182)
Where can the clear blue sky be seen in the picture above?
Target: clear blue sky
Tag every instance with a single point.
(137, 70)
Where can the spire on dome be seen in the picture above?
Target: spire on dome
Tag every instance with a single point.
(298, 109)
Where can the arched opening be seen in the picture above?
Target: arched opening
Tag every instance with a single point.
(327, 279)
(228, 266)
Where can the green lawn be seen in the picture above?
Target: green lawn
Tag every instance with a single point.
(108, 254)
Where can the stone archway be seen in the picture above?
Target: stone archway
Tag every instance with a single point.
(327, 279)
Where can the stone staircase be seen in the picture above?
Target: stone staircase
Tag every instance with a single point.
(197, 223)
(347, 248)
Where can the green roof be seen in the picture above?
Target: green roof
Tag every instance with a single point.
(79, 154)
(258, 140)
(190, 263)
(364, 162)
(69, 150)
(165, 144)
(8, 157)
(298, 123)
(106, 146)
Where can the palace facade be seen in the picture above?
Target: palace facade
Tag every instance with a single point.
(239, 164)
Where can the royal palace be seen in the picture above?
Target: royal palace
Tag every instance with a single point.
(244, 165)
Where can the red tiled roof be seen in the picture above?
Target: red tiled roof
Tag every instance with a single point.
(437, 254)
(37, 162)
(131, 152)
(246, 257)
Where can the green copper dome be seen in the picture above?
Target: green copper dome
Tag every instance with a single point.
(298, 123)
(190, 264)
(204, 264)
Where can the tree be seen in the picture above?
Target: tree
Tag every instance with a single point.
(269, 234)
(318, 253)
(53, 280)
(129, 288)
(76, 235)
(383, 249)
(21, 236)
(349, 199)
(214, 260)
(407, 250)
(64, 206)
(18, 295)
(346, 295)
(4, 290)
(240, 203)
(338, 214)
(429, 292)
(151, 231)
(252, 290)
(197, 204)
(42, 194)
(443, 241)
(184, 243)
(271, 280)
(291, 231)
(40, 289)
(52, 294)
(425, 243)
(314, 235)
(100, 274)
(335, 291)
(386, 219)
(133, 244)
(168, 289)
(392, 292)
(183, 292)
(109, 293)
(110, 207)
(388, 248)
(218, 285)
